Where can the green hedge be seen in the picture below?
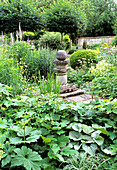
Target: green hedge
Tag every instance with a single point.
(83, 57)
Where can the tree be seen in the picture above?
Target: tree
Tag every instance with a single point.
(101, 17)
(63, 17)
(17, 11)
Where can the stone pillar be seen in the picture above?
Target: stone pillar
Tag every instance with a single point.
(61, 67)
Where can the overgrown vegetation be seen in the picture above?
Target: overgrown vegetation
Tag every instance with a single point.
(82, 58)
(38, 129)
(44, 131)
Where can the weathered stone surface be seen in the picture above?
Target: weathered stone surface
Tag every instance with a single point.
(61, 55)
(61, 78)
(68, 88)
(64, 62)
(77, 92)
(61, 67)
(83, 98)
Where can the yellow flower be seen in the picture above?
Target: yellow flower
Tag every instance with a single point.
(21, 67)
(29, 88)
(33, 90)
(107, 45)
(3, 108)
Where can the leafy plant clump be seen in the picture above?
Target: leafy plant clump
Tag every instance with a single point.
(45, 132)
(31, 61)
(83, 57)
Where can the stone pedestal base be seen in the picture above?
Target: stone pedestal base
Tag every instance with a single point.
(62, 79)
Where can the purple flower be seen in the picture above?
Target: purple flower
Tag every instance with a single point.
(79, 71)
(71, 73)
(24, 76)
(37, 93)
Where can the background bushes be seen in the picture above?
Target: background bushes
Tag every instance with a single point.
(83, 57)
(52, 40)
(32, 61)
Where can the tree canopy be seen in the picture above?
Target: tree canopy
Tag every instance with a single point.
(101, 17)
(63, 17)
(17, 11)
(71, 16)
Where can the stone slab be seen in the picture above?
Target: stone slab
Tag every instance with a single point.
(77, 92)
(84, 98)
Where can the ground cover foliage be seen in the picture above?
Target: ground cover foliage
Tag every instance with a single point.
(40, 130)
(44, 132)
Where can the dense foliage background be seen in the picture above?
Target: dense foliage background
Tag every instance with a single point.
(87, 17)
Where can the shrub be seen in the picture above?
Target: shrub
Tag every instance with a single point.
(19, 50)
(50, 39)
(66, 41)
(32, 35)
(32, 61)
(114, 41)
(27, 34)
(10, 73)
(94, 46)
(104, 86)
(36, 44)
(79, 77)
(83, 57)
(102, 68)
(84, 44)
(53, 40)
(72, 50)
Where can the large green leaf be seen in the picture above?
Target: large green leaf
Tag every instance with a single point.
(27, 158)
(68, 151)
(87, 139)
(76, 136)
(102, 129)
(64, 123)
(95, 134)
(99, 140)
(55, 148)
(60, 157)
(77, 127)
(90, 149)
(32, 138)
(46, 140)
(6, 160)
(8, 152)
(62, 140)
(87, 129)
(77, 146)
(24, 132)
(16, 140)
